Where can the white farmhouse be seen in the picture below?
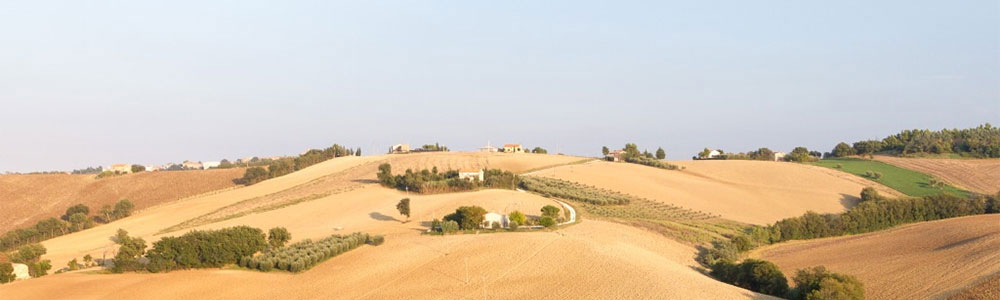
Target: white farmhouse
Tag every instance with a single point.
(714, 154)
(493, 217)
(210, 164)
(470, 174)
(779, 156)
(21, 272)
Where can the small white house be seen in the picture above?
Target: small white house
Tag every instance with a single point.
(21, 272)
(779, 156)
(493, 217)
(714, 154)
(210, 164)
(470, 174)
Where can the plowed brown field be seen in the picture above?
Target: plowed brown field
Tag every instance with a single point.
(977, 175)
(929, 260)
(26, 199)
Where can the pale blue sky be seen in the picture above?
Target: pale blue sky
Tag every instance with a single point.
(86, 83)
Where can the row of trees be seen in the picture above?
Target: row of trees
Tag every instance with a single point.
(981, 141)
(75, 219)
(765, 277)
(557, 188)
(284, 166)
(195, 249)
(304, 255)
(432, 181)
(873, 213)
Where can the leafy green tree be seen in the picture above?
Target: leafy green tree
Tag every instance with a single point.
(130, 249)
(123, 209)
(467, 217)
(517, 216)
(547, 221)
(278, 236)
(254, 175)
(550, 211)
(842, 150)
(28, 253)
(404, 207)
(660, 154)
(138, 168)
(88, 260)
(539, 150)
(800, 154)
(6, 272)
(226, 164)
(605, 150)
(80, 221)
(357, 152)
(817, 283)
(449, 226)
(752, 274)
(869, 194)
(704, 153)
(385, 175)
(79, 208)
(73, 265)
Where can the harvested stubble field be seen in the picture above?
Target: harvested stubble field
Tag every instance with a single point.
(593, 259)
(977, 175)
(26, 199)
(745, 191)
(929, 260)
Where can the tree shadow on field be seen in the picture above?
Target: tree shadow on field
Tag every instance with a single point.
(381, 217)
(849, 201)
(365, 181)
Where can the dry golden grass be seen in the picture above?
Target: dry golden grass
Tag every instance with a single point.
(747, 191)
(27, 199)
(930, 260)
(977, 175)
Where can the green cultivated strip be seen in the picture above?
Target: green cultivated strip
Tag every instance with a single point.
(909, 182)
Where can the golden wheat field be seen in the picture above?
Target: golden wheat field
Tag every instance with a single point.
(929, 260)
(976, 175)
(26, 199)
(747, 191)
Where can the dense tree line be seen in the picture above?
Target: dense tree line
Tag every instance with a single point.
(765, 277)
(874, 213)
(205, 249)
(75, 219)
(304, 255)
(284, 166)
(877, 214)
(89, 170)
(982, 141)
(632, 155)
(432, 181)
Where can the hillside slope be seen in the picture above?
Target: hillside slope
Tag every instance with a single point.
(593, 259)
(747, 191)
(977, 175)
(26, 199)
(929, 260)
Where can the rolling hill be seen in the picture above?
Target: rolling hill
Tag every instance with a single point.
(753, 192)
(929, 260)
(27, 199)
(977, 175)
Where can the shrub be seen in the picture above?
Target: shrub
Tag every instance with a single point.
(254, 175)
(376, 240)
(6, 272)
(752, 274)
(516, 217)
(547, 222)
(818, 283)
(449, 227)
(207, 249)
(512, 226)
(550, 211)
(278, 236)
